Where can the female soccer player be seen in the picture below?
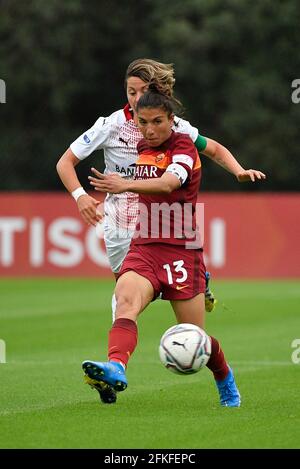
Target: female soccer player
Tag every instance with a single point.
(118, 136)
(168, 172)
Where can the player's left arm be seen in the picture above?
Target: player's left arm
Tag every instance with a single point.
(223, 157)
(115, 184)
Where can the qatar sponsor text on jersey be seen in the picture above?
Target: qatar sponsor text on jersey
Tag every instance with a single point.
(169, 218)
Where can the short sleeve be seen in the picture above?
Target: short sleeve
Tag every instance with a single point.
(184, 153)
(92, 139)
(184, 127)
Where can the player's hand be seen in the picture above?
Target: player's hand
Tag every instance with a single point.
(112, 183)
(250, 175)
(87, 207)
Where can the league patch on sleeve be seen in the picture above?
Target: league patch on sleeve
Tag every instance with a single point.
(87, 137)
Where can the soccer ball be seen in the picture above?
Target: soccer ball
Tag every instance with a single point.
(184, 348)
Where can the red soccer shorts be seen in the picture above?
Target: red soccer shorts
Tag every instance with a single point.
(176, 272)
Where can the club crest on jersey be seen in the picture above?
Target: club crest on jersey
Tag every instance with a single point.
(159, 157)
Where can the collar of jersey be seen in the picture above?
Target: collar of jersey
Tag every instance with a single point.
(128, 112)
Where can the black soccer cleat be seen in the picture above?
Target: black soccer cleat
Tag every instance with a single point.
(107, 394)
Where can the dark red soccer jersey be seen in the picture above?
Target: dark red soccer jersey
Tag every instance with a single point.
(168, 218)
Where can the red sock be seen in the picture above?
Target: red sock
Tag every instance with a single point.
(217, 363)
(122, 340)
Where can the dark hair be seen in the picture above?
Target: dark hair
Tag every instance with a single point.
(154, 99)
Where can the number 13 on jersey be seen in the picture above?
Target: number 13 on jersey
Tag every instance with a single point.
(176, 272)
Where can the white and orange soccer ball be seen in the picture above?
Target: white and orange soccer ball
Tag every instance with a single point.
(184, 348)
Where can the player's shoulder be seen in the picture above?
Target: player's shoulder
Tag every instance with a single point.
(116, 118)
(179, 138)
(182, 145)
(183, 126)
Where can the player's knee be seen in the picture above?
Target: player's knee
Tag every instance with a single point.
(128, 304)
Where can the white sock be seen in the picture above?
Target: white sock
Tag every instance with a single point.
(113, 307)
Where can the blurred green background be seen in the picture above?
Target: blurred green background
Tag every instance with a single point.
(63, 63)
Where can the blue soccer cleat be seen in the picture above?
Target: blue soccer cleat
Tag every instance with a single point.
(210, 301)
(229, 393)
(111, 373)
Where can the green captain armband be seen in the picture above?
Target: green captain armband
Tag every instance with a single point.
(200, 143)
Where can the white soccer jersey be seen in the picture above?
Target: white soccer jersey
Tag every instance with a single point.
(118, 136)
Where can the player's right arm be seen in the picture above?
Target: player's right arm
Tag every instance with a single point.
(217, 153)
(223, 157)
(87, 205)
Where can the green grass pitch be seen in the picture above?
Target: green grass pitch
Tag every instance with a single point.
(51, 325)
